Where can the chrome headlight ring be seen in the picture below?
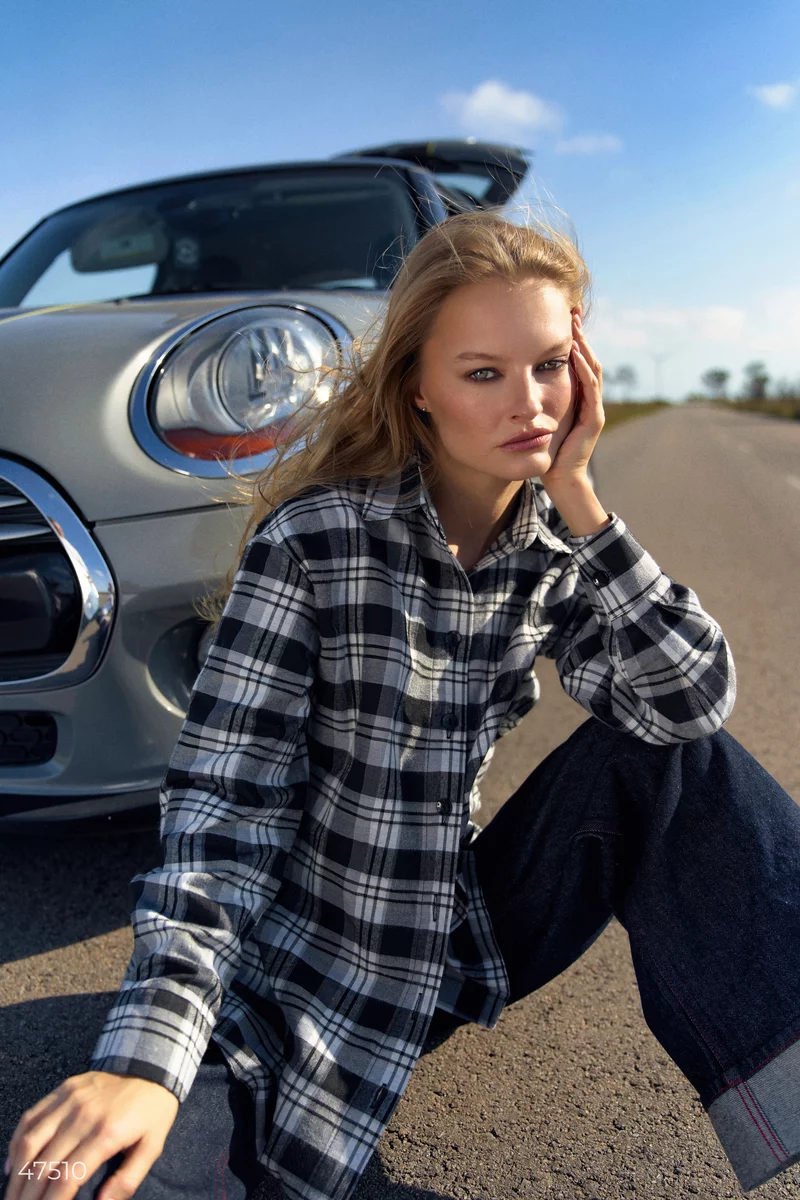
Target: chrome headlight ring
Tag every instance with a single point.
(142, 422)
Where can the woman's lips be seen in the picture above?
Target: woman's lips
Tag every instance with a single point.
(529, 442)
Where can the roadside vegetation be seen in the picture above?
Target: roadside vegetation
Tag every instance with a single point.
(617, 411)
(621, 383)
(789, 408)
(758, 393)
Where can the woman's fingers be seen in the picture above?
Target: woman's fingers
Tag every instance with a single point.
(95, 1116)
(31, 1141)
(588, 354)
(34, 1115)
(591, 409)
(585, 348)
(66, 1162)
(132, 1171)
(56, 1155)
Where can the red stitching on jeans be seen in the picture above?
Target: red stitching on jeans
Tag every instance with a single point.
(763, 1063)
(663, 971)
(767, 1123)
(758, 1127)
(220, 1182)
(611, 832)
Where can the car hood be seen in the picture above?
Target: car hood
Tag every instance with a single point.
(66, 376)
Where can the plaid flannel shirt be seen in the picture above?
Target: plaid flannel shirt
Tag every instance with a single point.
(317, 896)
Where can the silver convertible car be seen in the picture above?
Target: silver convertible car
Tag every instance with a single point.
(148, 337)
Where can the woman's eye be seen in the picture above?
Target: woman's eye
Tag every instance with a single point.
(479, 375)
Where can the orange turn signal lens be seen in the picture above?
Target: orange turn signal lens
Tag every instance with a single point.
(199, 443)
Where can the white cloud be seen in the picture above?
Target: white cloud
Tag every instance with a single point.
(590, 143)
(662, 330)
(778, 321)
(675, 345)
(775, 95)
(494, 108)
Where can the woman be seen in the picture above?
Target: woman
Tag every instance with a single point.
(324, 888)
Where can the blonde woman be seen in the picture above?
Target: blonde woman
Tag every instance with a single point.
(325, 889)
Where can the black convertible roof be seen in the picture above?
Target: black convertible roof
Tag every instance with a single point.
(219, 172)
(504, 165)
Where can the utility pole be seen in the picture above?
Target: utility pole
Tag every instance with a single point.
(658, 361)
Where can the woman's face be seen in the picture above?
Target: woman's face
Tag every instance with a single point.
(496, 366)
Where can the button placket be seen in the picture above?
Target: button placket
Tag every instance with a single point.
(450, 722)
(454, 694)
(453, 640)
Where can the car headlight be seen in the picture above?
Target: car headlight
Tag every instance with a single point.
(232, 387)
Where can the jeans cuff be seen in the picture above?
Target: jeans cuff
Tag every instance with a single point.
(758, 1120)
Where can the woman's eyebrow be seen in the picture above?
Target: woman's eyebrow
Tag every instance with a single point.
(557, 349)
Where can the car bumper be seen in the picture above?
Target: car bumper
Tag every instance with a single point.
(116, 729)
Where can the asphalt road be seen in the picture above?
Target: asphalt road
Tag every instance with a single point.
(570, 1096)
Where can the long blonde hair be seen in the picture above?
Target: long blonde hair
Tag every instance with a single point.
(370, 427)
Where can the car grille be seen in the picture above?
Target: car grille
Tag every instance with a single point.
(56, 595)
(39, 622)
(19, 518)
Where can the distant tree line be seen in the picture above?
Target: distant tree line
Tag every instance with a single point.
(758, 392)
(756, 384)
(620, 384)
(757, 389)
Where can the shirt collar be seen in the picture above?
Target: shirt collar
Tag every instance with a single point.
(405, 490)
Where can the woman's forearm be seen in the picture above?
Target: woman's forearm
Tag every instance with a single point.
(578, 505)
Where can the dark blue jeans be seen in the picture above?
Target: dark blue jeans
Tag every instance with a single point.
(209, 1152)
(696, 850)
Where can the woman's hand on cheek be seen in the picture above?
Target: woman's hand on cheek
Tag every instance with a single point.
(572, 458)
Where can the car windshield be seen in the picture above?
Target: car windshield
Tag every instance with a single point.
(306, 228)
(475, 186)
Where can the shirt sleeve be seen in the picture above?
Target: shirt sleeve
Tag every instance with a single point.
(230, 802)
(635, 648)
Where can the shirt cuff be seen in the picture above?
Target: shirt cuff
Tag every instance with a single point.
(155, 1033)
(616, 572)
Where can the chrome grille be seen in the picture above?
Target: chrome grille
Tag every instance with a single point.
(21, 520)
(56, 590)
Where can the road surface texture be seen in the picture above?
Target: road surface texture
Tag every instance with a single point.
(570, 1096)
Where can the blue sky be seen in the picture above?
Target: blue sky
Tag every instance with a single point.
(667, 130)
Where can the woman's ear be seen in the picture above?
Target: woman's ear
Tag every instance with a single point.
(420, 404)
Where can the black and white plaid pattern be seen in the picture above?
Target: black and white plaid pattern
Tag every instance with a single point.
(313, 903)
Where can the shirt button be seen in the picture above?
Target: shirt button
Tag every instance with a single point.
(444, 806)
(601, 578)
(452, 641)
(450, 720)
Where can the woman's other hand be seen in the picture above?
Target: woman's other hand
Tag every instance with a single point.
(87, 1120)
(573, 455)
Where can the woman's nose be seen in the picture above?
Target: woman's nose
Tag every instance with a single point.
(528, 396)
